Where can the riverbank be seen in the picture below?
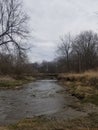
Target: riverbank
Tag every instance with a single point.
(84, 86)
(8, 82)
(43, 123)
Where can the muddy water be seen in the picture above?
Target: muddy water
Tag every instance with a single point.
(40, 98)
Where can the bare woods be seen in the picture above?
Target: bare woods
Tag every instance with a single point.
(13, 37)
(75, 54)
(80, 53)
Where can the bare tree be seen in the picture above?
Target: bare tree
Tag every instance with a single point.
(85, 46)
(65, 48)
(6, 63)
(13, 24)
(81, 53)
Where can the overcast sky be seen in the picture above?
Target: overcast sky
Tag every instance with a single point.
(50, 19)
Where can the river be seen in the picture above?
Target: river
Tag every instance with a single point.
(43, 97)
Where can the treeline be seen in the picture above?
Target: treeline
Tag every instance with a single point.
(75, 54)
(45, 67)
(15, 65)
(78, 54)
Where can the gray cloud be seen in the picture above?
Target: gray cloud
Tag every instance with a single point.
(53, 18)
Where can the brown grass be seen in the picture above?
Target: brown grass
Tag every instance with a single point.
(42, 123)
(87, 74)
(83, 85)
(7, 82)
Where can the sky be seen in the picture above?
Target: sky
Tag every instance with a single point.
(51, 19)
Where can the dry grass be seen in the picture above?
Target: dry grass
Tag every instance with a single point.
(83, 85)
(6, 78)
(42, 123)
(87, 74)
(4, 128)
(7, 82)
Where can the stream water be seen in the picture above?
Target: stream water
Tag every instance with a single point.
(42, 97)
